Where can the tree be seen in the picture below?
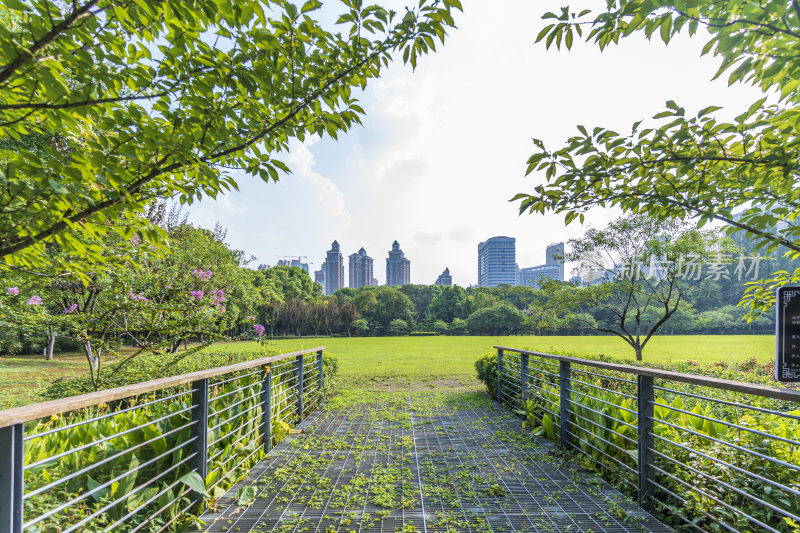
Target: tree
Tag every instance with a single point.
(458, 326)
(674, 167)
(421, 296)
(348, 314)
(646, 268)
(360, 327)
(380, 305)
(167, 99)
(440, 327)
(501, 319)
(449, 303)
(397, 327)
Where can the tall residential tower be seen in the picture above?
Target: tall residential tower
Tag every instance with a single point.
(398, 268)
(334, 269)
(360, 269)
(445, 278)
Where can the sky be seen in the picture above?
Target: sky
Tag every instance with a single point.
(444, 148)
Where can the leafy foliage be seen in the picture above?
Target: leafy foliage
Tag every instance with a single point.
(741, 172)
(486, 368)
(497, 320)
(710, 460)
(140, 449)
(644, 274)
(165, 100)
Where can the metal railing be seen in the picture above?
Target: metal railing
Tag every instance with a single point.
(703, 454)
(146, 457)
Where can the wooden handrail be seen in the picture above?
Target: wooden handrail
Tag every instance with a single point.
(694, 379)
(27, 413)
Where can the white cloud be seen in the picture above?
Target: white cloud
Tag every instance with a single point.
(443, 149)
(329, 197)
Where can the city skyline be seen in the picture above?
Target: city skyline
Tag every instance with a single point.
(361, 273)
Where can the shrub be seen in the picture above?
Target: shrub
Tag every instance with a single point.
(498, 320)
(486, 366)
(458, 326)
(398, 326)
(423, 334)
(441, 327)
(360, 327)
(234, 446)
(148, 367)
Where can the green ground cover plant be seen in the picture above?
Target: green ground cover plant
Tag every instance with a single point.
(712, 447)
(379, 461)
(142, 449)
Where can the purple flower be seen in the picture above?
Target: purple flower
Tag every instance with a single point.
(34, 300)
(259, 329)
(71, 309)
(197, 295)
(204, 275)
(13, 290)
(251, 318)
(135, 239)
(217, 296)
(137, 297)
(221, 308)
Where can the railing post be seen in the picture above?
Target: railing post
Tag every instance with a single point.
(320, 367)
(199, 463)
(565, 396)
(646, 397)
(299, 388)
(11, 480)
(499, 375)
(523, 379)
(266, 407)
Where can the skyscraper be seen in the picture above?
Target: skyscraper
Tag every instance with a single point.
(334, 269)
(319, 275)
(555, 256)
(398, 268)
(294, 263)
(445, 278)
(552, 269)
(360, 269)
(497, 258)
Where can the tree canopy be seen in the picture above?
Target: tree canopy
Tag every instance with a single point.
(107, 106)
(742, 172)
(645, 270)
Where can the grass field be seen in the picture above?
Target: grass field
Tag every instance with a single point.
(420, 363)
(21, 378)
(392, 363)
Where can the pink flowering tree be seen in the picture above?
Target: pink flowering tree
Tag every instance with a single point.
(152, 304)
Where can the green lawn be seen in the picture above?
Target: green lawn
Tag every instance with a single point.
(393, 363)
(21, 378)
(403, 363)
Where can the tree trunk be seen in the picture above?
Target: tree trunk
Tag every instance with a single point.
(51, 342)
(638, 353)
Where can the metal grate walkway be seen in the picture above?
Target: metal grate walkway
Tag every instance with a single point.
(421, 463)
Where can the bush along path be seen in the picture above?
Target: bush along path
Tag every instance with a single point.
(419, 462)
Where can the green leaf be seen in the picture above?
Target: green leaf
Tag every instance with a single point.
(16, 5)
(311, 5)
(666, 28)
(194, 482)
